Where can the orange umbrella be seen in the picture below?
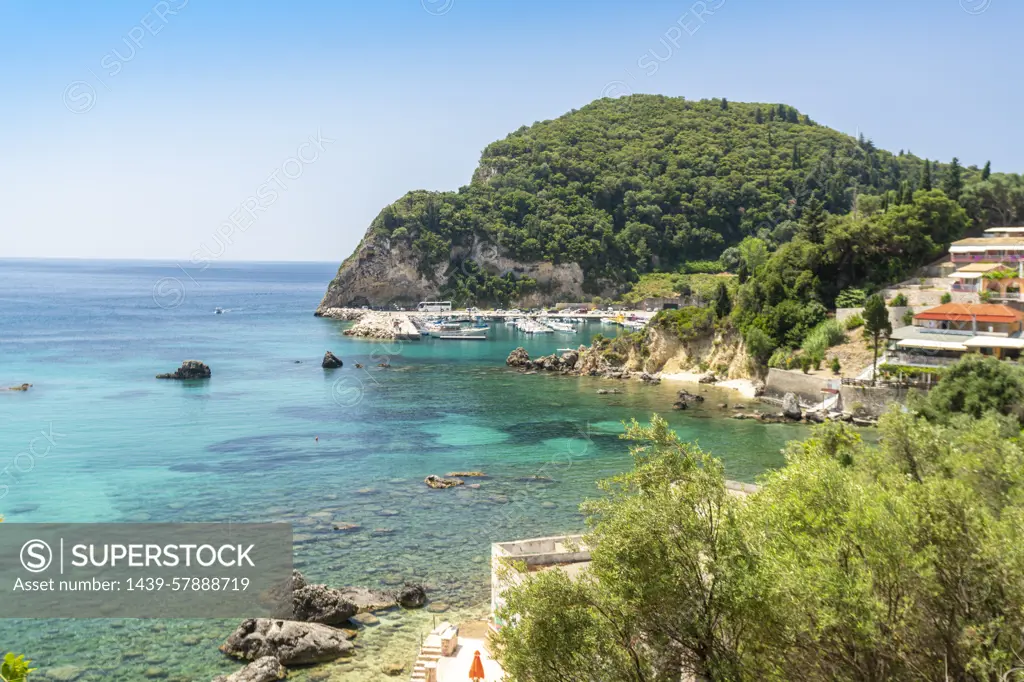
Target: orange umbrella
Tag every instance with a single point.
(476, 669)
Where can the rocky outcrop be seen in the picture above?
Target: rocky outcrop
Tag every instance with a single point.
(319, 603)
(385, 271)
(331, 361)
(290, 642)
(344, 314)
(384, 325)
(439, 482)
(684, 399)
(518, 358)
(791, 407)
(266, 669)
(190, 369)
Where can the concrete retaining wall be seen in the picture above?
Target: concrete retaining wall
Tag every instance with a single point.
(867, 401)
(807, 388)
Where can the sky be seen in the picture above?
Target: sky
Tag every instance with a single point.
(278, 130)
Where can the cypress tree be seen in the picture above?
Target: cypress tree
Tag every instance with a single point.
(725, 104)
(986, 171)
(953, 183)
(758, 116)
(926, 176)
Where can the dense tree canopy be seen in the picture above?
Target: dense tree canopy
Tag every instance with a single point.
(648, 183)
(899, 560)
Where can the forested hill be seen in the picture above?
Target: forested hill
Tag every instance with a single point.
(585, 203)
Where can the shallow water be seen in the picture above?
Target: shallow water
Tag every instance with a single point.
(90, 336)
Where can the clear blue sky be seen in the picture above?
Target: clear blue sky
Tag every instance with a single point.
(137, 129)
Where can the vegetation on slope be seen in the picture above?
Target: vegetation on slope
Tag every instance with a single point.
(896, 560)
(650, 183)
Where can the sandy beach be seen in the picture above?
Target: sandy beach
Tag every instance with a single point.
(745, 387)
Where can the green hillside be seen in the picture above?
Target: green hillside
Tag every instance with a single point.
(647, 183)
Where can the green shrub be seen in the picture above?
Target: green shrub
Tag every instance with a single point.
(687, 323)
(898, 301)
(805, 363)
(851, 298)
(825, 335)
(946, 298)
(780, 359)
(854, 321)
(836, 368)
(15, 668)
(908, 317)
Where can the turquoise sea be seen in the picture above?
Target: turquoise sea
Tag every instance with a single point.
(90, 336)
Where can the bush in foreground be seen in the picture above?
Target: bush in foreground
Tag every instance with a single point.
(901, 560)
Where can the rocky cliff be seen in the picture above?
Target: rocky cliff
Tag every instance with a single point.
(385, 271)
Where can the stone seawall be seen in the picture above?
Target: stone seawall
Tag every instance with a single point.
(805, 386)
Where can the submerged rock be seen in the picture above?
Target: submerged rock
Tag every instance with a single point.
(265, 669)
(290, 642)
(411, 596)
(23, 387)
(366, 599)
(190, 369)
(608, 391)
(467, 474)
(439, 482)
(331, 361)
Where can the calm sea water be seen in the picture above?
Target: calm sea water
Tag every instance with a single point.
(90, 336)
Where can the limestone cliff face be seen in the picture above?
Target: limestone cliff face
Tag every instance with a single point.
(383, 272)
(666, 353)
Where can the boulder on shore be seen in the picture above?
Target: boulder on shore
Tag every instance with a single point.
(791, 407)
(190, 369)
(708, 378)
(439, 482)
(266, 669)
(331, 361)
(289, 641)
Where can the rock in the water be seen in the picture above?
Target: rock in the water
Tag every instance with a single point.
(22, 387)
(331, 361)
(466, 474)
(791, 407)
(608, 391)
(369, 600)
(708, 378)
(393, 669)
(434, 481)
(289, 641)
(649, 378)
(685, 399)
(266, 669)
(518, 358)
(411, 596)
(321, 604)
(190, 369)
(758, 388)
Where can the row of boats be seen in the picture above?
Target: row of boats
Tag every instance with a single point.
(476, 328)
